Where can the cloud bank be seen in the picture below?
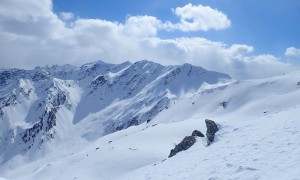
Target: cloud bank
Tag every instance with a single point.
(33, 35)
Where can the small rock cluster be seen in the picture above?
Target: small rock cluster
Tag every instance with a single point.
(189, 141)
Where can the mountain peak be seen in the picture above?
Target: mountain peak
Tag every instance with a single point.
(96, 63)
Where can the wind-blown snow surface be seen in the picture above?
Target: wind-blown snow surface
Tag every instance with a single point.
(258, 119)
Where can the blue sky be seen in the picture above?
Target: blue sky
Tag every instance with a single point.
(245, 39)
(268, 25)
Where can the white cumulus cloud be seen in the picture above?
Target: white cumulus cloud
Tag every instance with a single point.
(292, 52)
(142, 26)
(195, 18)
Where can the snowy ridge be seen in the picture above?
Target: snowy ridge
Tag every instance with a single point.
(121, 121)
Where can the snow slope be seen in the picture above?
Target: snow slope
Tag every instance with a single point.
(258, 119)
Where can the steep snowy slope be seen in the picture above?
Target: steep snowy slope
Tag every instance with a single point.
(258, 137)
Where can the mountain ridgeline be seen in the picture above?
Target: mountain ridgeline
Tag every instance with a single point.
(48, 104)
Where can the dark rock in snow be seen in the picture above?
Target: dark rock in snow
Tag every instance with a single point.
(197, 133)
(212, 128)
(185, 144)
(224, 104)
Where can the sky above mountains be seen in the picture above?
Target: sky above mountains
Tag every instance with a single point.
(246, 39)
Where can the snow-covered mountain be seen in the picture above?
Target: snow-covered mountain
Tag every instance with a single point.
(88, 102)
(120, 121)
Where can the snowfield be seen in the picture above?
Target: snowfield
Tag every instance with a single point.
(258, 120)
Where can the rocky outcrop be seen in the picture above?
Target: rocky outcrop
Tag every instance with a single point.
(197, 133)
(185, 144)
(212, 128)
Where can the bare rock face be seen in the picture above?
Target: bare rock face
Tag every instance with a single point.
(185, 144)
(212, 128)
